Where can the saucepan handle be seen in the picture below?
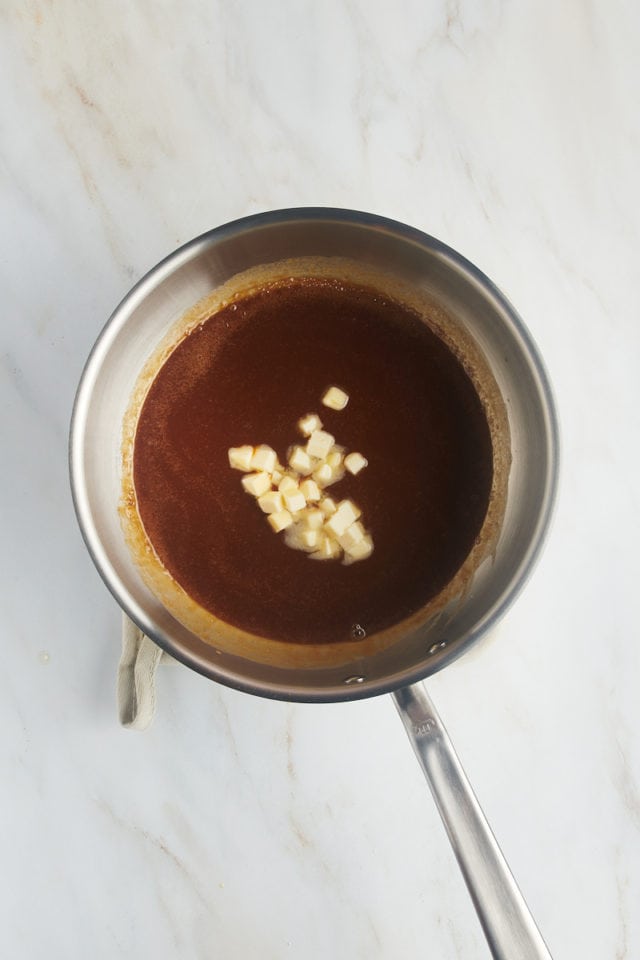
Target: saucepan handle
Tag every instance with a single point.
(510, 929)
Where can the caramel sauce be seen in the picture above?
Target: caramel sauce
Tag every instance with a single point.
(247, 375)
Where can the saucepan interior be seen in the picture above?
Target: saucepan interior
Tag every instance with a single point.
(420, 263)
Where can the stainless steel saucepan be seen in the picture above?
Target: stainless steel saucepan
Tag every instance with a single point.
(422, 263)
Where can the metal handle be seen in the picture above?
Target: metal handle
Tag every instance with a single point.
(510, 929)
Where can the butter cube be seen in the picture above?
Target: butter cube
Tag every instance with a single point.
(334, 458)
(270, 502)
(313, 519)
(359, 551)
(306, 425)
(294, 500)
(280, 521)
(310, 490)
(276, 476)
(346, 514)
(257, 483)
(319, 444)
(328, 549)
(355, 462)
(287, 484)
(335, 398)
(310, 539)
(264, 458)
(300, 461)
(323, 475)
(351, 506)
(328, 506)
(352, 535)
(240, 458)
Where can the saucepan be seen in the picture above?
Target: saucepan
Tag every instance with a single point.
(461, 291)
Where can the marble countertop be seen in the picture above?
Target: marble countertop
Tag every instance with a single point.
(238, 827)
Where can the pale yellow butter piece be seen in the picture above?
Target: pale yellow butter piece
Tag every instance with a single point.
(270, 502)
(257, 483)
(323, 475)
(352, 535)
(301, 461)
(359, 551)
(310, 539)
(355, 462)
(353, 507)
(306, 425)
(310, 490)
(335, 398)
(334, 458)
(313, 519)
(346, 514)
(287, 484)
(292, 533)
(319, 444)
(264, 458)
(280, 521)
(294, 500)
(300, 537)
(328, 506)
(240, 458)
(328, 549)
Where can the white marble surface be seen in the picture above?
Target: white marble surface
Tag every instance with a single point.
(242, 828)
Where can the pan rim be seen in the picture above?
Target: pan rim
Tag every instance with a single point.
(80, 494)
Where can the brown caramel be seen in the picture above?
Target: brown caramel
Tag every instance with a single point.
(247, 375)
